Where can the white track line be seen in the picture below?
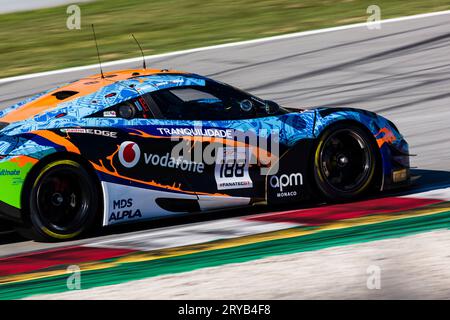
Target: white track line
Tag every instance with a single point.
(191, 234)
(226, 45)
(441, 194)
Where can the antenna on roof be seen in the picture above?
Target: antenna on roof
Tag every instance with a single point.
(142, 51)
(98, 52)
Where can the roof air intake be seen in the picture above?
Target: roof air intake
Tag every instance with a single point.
(63, 95)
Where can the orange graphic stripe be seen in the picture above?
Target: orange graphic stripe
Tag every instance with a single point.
(101, 168)
(57, 139)
(22, 161)
(81, 87)
(388, 137)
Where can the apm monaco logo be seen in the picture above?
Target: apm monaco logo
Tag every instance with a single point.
(129, 154)
(280, 183)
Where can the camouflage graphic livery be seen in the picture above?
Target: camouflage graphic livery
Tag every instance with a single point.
(122, 128)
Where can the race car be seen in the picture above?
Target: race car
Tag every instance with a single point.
(135, 145)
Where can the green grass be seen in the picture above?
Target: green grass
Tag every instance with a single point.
(39, 40)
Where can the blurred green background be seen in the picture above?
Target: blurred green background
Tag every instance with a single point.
(39, 40)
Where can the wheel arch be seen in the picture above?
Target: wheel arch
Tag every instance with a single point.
(34, 172)
(379, 169)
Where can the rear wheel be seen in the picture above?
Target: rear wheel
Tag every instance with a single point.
(345, 162)
(62, 203)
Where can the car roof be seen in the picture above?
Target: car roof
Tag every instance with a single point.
(111, 83)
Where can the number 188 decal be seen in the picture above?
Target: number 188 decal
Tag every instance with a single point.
(231, 170)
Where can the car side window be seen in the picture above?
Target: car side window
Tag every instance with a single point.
(188, 104)
(203, 103)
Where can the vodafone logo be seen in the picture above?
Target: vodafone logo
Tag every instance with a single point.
(129, 154)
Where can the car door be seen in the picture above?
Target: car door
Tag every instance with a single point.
(139, 178)
(219, 129)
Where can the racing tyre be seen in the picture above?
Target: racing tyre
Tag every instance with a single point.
(62, 203)
(345, 162)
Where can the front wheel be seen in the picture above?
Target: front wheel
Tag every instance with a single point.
(345, 162)
(62, 203)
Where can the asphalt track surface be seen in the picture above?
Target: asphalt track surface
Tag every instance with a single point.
(401, 71)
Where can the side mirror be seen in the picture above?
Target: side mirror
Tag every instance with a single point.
(272, 107)
(246, 105)
(127, 110)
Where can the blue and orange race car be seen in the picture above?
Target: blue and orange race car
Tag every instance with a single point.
(141, 144)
